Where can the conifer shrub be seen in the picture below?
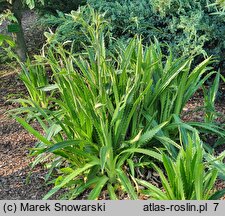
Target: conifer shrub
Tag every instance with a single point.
(52, 6)
(187, 26)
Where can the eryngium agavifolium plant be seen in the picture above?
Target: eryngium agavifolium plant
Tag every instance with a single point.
(108, 107)
(187, 178)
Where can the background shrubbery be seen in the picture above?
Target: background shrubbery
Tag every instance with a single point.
(52, 6)
(187, 26)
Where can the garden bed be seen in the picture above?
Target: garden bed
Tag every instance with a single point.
(15, 141)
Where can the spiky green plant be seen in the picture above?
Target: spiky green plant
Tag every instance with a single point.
(187, 178)
(108, 107)
(209, 99)
(95, 116)
(36, 81)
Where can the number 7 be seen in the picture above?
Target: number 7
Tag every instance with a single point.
(216, 205)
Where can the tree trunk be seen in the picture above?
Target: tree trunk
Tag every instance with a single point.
(21, 48)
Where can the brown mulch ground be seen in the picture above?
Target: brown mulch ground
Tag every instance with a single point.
(14, 145)
(15, 141)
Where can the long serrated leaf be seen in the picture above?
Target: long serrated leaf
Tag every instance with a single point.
(145, 152)
(217, 195)
(81, 188)
(69, 178)
(153, 190)
(127, 184)
(103, 156)
(33, 131)
(111, 192)
(94, 194)
(65, 144)
(148, 135)
(168, 188)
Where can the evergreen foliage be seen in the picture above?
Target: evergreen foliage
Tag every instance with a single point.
(187, 26)
(52, 6)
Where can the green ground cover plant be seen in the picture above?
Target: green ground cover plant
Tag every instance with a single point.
(106, 107)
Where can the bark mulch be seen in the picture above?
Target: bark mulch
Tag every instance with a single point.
(15, 143)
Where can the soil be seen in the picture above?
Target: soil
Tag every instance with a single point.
(15, 142)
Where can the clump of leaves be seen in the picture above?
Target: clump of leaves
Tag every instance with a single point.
(95, 116)
(187, 178)
(108, 107)
(209, 99)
